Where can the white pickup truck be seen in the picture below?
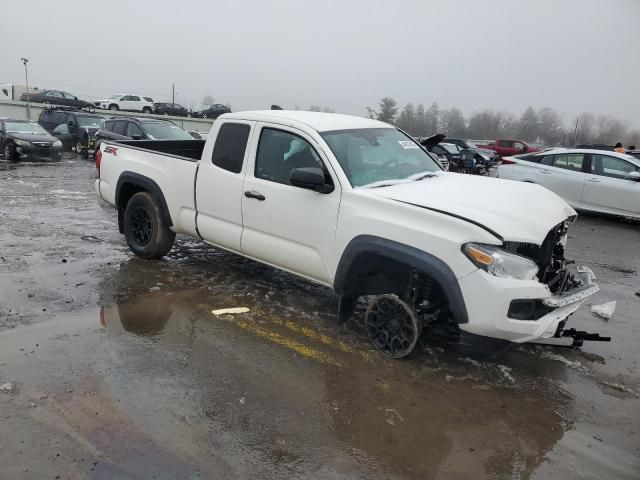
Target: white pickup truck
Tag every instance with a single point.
(359, 206)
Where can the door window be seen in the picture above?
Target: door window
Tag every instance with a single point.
(134, 98)
(108, 125)
(607, 166)
(133, 129)
(279, 152)
(547, 160)
(569, 161)
(54, 94)
(126, 98)
(120, 127)
(505, 143)
(231, 143)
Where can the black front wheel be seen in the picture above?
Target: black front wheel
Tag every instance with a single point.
(392, 325)
(145, 227)
(10, 153)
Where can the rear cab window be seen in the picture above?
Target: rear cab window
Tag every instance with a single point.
(230, 146)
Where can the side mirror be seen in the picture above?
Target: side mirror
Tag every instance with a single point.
(136, 137)
(634, 176)
(311, 178)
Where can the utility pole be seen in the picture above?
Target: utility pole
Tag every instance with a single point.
(575, 132)
(26, 77)
(173, 94)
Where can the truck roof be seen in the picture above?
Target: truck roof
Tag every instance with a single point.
(319, 121)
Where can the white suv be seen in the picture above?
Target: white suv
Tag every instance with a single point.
(132, 103)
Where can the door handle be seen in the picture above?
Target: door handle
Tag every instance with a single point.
(594, 180)
(546, 172)
(254, 194)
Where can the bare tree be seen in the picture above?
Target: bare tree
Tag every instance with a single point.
(552, 131)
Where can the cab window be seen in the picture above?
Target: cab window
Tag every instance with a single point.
(279, 152)
(231, 143)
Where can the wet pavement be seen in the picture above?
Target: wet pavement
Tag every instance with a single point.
(120, 371)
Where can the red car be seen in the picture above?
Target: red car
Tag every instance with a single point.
(506, 147)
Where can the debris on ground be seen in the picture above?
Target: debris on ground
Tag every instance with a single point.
(230, 311)
(9, 388)
(605, 310)
(90, 238)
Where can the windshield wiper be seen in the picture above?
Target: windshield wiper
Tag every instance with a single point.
(426, 175)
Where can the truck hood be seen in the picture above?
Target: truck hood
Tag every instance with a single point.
(515, 211)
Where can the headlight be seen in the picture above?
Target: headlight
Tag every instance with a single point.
(21, 143)
(499, 262)
(57, 143)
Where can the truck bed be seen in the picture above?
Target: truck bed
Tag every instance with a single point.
(170, 164)
(186, 149)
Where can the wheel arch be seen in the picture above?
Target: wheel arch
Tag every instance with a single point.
(361, 254)
(130, 183)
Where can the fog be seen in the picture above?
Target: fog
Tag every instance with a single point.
(572, 55)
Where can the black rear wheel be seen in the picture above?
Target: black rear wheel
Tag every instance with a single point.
(145, 227)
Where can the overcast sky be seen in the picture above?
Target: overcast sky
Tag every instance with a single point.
(572, 55)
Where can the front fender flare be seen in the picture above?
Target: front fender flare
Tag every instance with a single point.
(422, 261)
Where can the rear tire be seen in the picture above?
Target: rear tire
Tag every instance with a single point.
(147, 110)
(145, 228)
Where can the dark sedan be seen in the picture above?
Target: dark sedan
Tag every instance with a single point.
(172, 109)
(24, 137)
(56, 97)
(212, 111)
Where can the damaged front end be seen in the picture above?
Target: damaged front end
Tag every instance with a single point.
(569, 288)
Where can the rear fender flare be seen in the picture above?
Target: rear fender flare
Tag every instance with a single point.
(140, 183)
(422, 261)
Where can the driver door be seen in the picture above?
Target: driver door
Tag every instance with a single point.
(286, 226)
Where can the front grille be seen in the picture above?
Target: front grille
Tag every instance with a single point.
(550, 259)
(42, 144)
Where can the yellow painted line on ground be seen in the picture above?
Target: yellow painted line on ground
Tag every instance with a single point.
(287, 342)
(325, 339)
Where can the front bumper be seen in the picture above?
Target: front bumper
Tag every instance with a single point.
(488, 298)
(36, 151)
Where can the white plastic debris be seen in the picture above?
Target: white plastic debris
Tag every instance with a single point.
(605, 310)
(230, 311)
(9, 388)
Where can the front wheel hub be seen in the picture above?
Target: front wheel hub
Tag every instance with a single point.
(392, 325)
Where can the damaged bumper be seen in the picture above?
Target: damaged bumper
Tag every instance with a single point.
(489, 313)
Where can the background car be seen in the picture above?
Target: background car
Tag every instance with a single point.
(458, 159)
(484, 153)
(171, 109)
(587, 179)
(133, 128)
(128, 102)
(55, 97)
(634, 153)
(75, 128)
(212, 111)
(25, 137)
